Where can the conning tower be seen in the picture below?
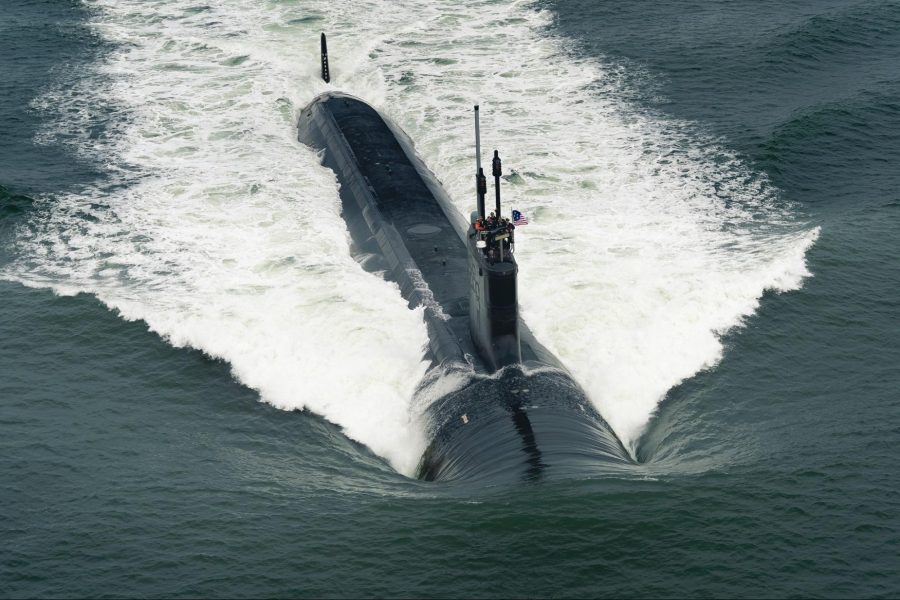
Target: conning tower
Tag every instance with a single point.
(493, 273)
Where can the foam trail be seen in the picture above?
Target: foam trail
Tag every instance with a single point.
(221, 232)
(648, 239)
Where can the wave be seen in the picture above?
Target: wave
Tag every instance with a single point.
(829, 35)
(223, 233)
(12, 204)
(14, 209)
(816, 137)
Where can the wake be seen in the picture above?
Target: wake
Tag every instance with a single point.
(223, 233)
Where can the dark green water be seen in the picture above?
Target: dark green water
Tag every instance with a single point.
(132, 468)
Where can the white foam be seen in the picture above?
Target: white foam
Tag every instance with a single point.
(226, 234)
(647, 241)
(223, 233)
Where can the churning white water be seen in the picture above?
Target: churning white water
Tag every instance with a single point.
(223, 233)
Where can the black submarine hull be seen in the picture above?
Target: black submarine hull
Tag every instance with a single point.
(523, 421)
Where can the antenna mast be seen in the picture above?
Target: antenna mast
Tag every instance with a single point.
(480, 181)
(495, 164)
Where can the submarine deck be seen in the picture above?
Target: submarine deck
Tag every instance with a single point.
(406, 202)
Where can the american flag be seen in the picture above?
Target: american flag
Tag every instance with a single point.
(519, 218)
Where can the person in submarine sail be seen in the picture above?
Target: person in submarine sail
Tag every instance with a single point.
(495, 234)
(495, 237)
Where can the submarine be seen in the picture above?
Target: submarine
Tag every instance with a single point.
(519, 413)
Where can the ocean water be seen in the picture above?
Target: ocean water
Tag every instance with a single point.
(201, 393)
